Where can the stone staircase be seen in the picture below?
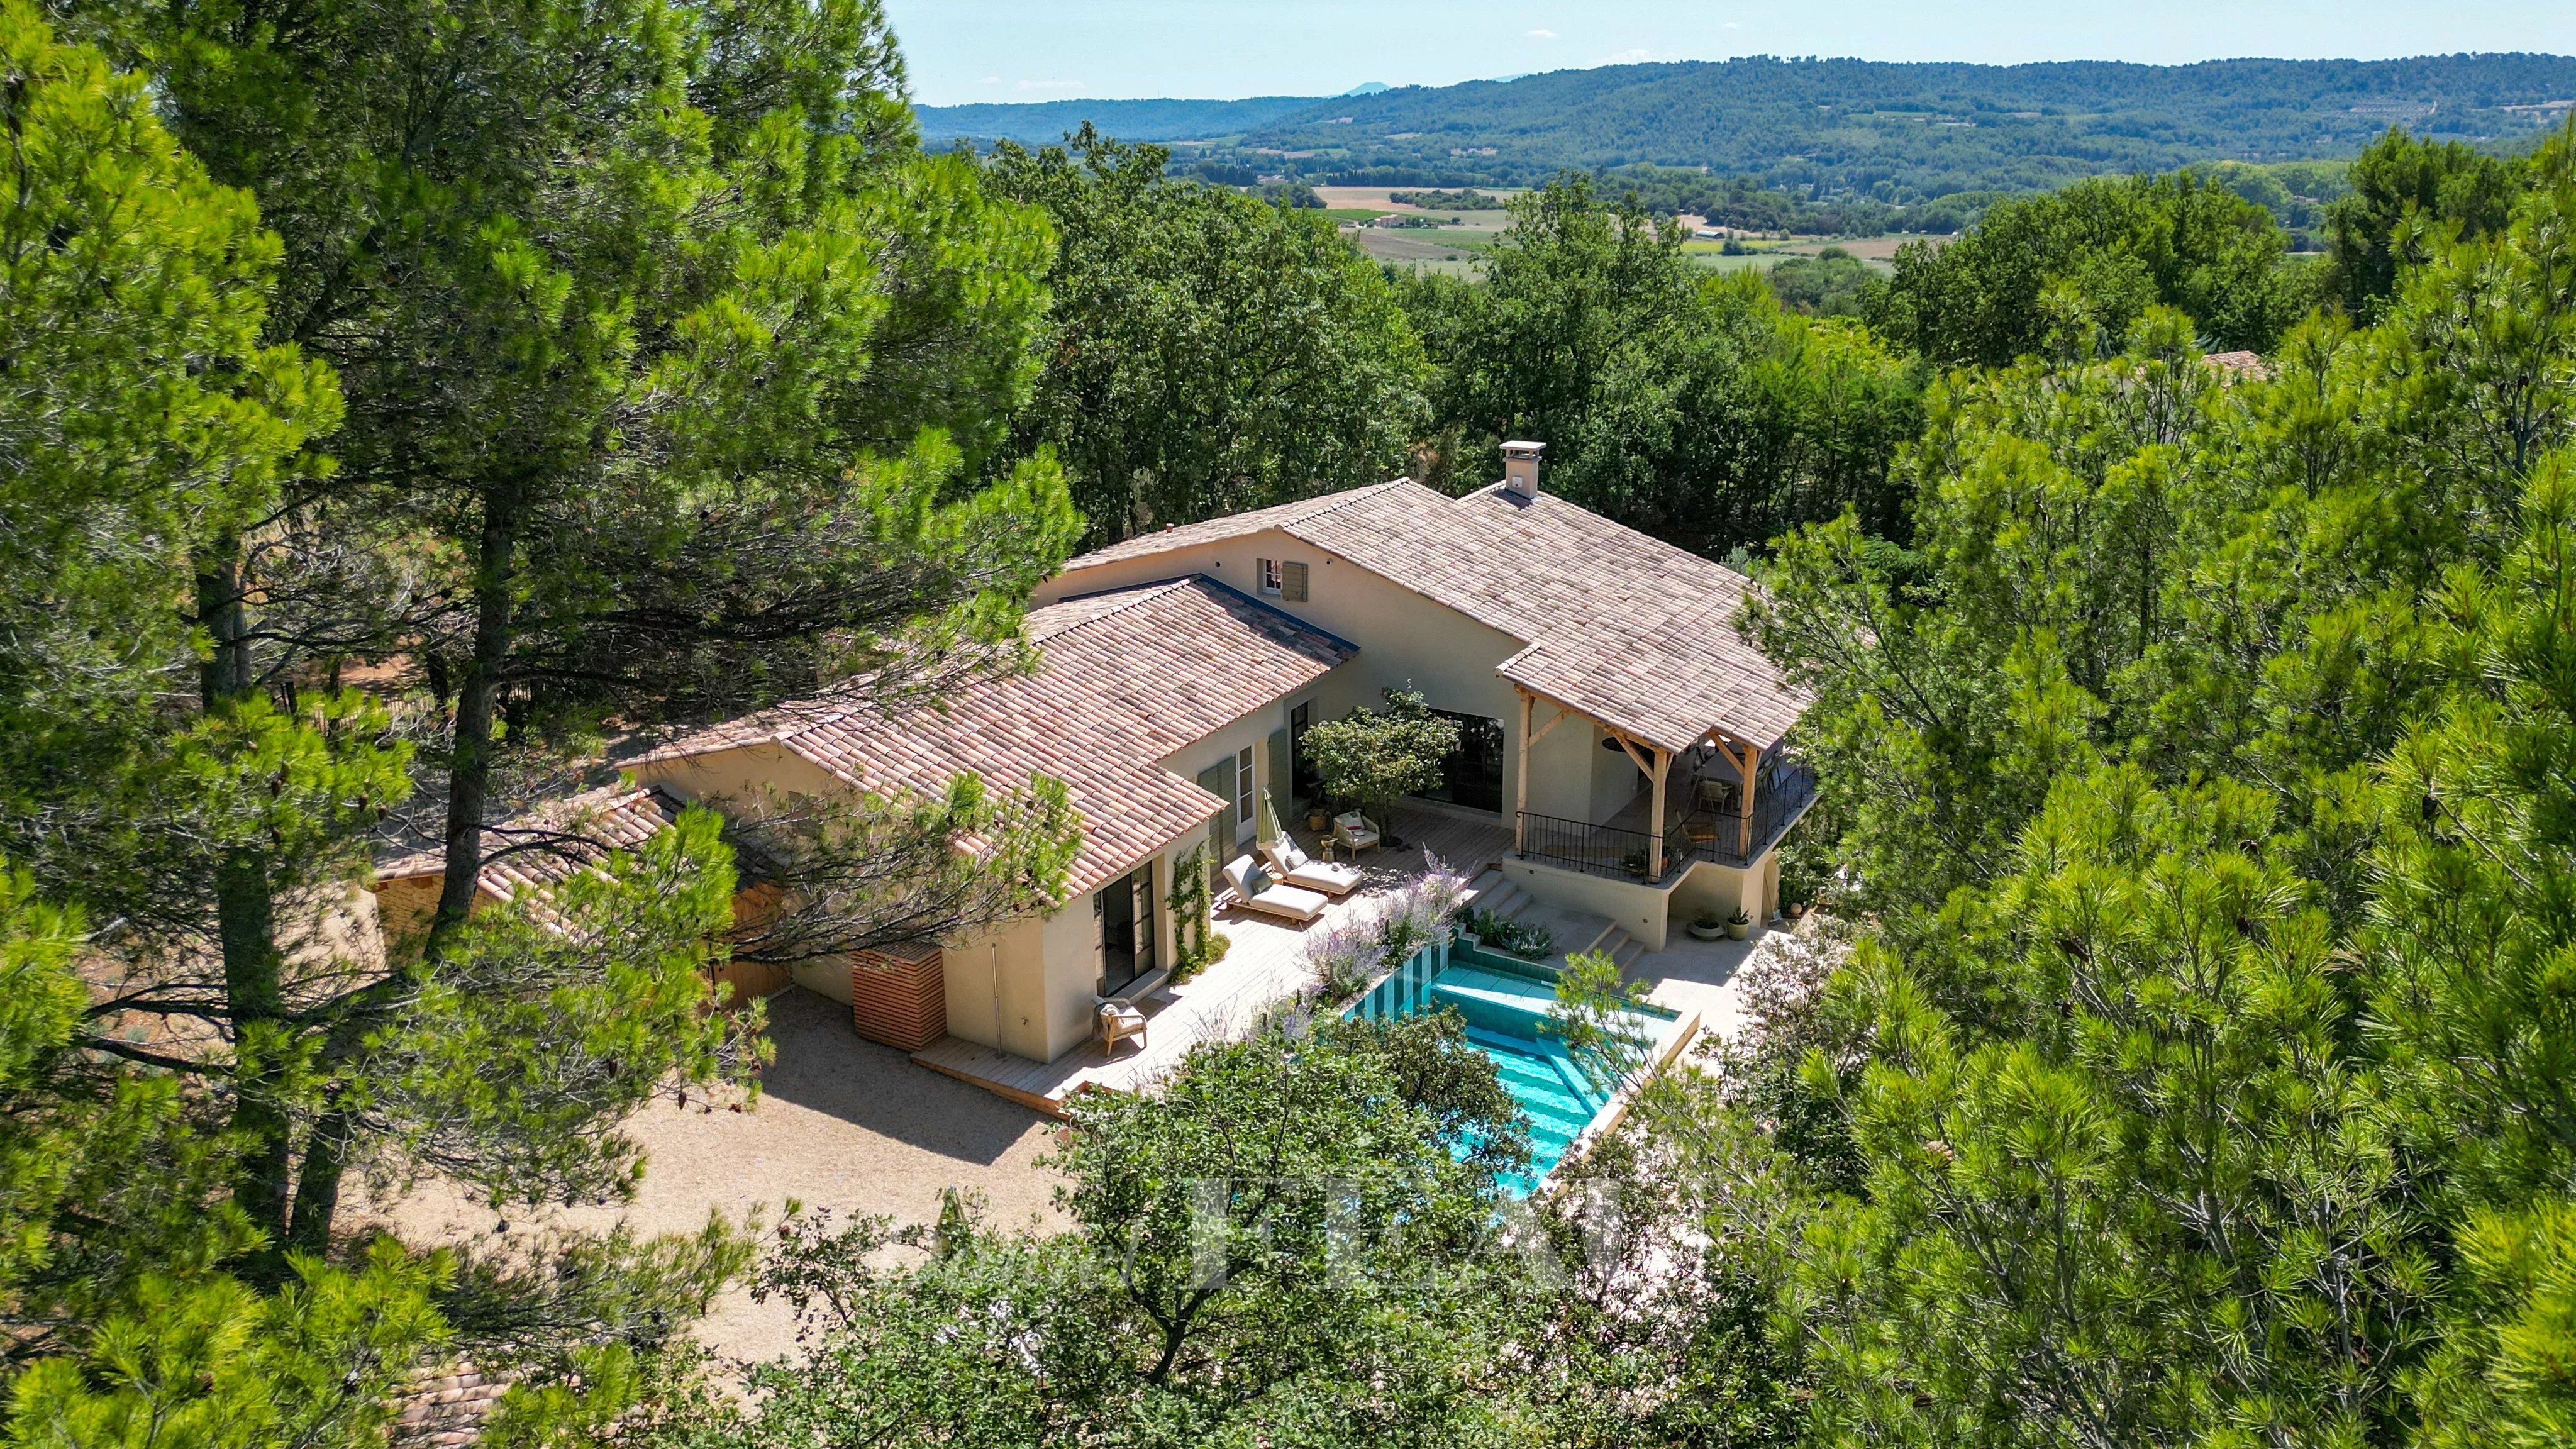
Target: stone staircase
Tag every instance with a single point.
(1490, 891)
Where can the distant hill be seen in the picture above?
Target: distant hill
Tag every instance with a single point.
(1844, 128)
(1046, 121)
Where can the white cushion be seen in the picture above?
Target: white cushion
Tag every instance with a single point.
(1235, 871)
(1293, 899)
(1330, 879)
(1285, 852)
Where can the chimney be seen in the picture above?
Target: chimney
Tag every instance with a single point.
(1520, 468)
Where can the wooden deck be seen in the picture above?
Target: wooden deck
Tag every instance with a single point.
(1265, 964)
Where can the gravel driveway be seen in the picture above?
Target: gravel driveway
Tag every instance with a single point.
(841, 1123)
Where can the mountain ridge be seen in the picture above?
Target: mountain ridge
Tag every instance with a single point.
(1893, 130)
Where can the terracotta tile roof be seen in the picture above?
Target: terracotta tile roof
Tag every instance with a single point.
(1233, 525)
(1123, 679)
(447, 1411)
(2239, 365)
(1624, 627)
(553, 840)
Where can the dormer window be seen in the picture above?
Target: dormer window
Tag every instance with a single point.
(1268, 570)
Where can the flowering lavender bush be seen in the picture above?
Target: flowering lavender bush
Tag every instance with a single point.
(1347, 956)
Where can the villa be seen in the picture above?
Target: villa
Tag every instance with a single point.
(1619, 751)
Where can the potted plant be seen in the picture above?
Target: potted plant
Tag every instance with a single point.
(1707, 928)
(1738, 924)
(1375, 757)
(1316, 819)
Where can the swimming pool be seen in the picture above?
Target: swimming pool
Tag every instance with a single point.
(1505, 1004)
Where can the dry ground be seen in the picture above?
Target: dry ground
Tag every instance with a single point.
(841, 1123)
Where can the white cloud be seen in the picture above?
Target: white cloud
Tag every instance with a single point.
(1542, 35)
(1639, 56)
(992, 80)
(1731, 25)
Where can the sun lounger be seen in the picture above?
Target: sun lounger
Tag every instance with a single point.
(1298, 869)
(1255, 890)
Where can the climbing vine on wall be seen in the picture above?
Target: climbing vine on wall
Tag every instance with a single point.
(1195, 944)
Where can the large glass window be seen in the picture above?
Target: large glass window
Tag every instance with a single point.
(1245, 821)
(1301, 772)
(1124, 912)
(1472, 775)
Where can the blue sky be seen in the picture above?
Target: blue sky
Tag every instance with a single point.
(1027, 50)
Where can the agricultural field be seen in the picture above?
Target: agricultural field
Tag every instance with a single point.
(1447, 249)
(1878, 251)
(1454, 249)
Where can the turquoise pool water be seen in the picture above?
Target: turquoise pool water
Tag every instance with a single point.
(1505, 1004)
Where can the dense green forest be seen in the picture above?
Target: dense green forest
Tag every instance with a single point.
(401, 403)
(1851, 130)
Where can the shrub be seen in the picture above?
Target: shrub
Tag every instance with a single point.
(1376, 757)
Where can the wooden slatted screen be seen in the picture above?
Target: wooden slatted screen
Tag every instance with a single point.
(899, 996)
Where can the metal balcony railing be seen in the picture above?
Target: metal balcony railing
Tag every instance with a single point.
(1721, 836)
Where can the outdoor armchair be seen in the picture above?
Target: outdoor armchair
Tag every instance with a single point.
(1356, 832)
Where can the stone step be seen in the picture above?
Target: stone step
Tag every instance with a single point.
(1627, 950)
(1602, 940)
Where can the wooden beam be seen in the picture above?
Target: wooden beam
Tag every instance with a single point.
(1564, 712)
(1520, 791)
(1630, 746)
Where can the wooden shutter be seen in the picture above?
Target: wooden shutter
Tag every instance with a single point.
(1292, 582)
(1282, 788)
(1218, 780)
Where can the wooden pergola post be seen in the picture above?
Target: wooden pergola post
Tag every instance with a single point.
(1744, 824)
(1655, 814)
(1520, 785)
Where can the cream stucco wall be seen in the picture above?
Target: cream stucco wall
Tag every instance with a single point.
(1404, 639)
(1640, 910)
(1024, 987)
(713, 778)
(1709, 889)
(1251, 732)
